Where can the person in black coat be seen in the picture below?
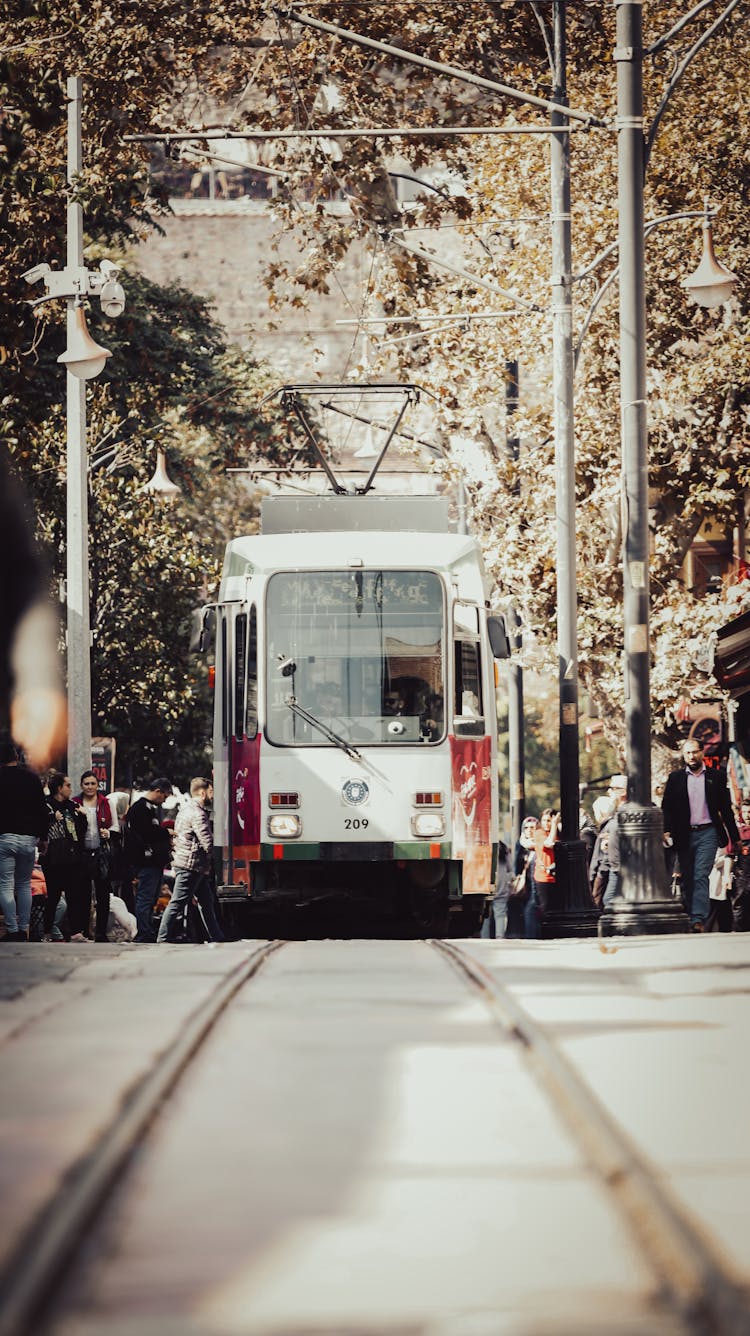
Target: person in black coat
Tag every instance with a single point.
(699, 819)
(64, 861)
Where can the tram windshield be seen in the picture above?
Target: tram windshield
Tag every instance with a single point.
(361, 651)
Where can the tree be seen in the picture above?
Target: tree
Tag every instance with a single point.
(171, 380)
(698, 361)
(491, 218)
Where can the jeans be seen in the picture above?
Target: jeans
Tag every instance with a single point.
(612, 888)
(17, 853)
(696, 860)
(186, 885)
(147, 893)
(496, 921)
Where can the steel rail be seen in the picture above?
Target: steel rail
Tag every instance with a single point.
(51, 1240)
(696, 1282)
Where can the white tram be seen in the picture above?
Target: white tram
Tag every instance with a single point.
(355, 726)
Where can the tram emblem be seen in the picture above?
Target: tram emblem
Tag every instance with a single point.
(355, 791)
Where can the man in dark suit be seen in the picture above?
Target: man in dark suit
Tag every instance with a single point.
(698, 816)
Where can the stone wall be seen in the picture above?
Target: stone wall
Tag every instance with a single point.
(219, 249)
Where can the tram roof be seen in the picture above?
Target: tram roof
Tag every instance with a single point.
(264, 554)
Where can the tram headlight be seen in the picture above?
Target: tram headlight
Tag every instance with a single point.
(284, 826)
(428, 825)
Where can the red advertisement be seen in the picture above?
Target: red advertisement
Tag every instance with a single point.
(471, 811)
(244, 797)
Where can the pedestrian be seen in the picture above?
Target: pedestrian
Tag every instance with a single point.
(698, 818)
(587, 832)
(98, 815)
(520, 888)
(64, 863)
(740, 892)
(719, 892)
(604, 808)
(147, 848)
(121, 875)
(618, 792)
(193, 855)
(495, 922)
(23, 825)
(545, 837)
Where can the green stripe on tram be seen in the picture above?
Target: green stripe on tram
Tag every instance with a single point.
(301, 852)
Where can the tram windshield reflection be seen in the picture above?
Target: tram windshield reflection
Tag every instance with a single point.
(368, 655)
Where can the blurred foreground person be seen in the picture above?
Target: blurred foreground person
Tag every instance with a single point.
(23, 824)
(32, 701)
(193, 854)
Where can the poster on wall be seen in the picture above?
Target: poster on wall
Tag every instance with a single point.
(103, 763)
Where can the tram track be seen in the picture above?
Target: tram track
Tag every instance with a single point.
(696, 1284)
(40, 1255)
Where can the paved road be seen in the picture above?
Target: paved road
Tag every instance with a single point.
(358, 1150)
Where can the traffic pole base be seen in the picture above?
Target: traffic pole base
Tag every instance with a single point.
(571, 911)
(642, 918)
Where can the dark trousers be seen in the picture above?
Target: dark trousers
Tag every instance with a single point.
(186, 885)
(74, 884)
(149, 883)
(101, 886)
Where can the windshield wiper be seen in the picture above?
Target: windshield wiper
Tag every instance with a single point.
(317, 723)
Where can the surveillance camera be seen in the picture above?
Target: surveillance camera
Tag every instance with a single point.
(112, 298)
(39, 271)
(109, 269)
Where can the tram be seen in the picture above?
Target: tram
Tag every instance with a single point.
(355, 737)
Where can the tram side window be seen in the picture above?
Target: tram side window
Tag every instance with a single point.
(240, 669)
(225, 680)
(468, 680)
(251, 713)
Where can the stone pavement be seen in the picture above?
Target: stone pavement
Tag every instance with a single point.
(355, 1151)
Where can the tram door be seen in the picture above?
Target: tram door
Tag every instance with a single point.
(236, 741)
(471, 742)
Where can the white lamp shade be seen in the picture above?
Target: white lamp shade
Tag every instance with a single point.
(161, 484)
(82, 357)
(711, 283)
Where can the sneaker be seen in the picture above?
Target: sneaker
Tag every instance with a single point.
(698, 927)
(56, 936)
(48, 937)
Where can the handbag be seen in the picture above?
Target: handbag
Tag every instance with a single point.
(103, 862)
(518, 884)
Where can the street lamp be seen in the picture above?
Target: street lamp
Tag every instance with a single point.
(712, 283)
(161, 484)
(83, 359)
(645, 904)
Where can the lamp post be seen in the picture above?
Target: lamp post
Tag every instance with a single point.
(573, 913)
(645, 905)
(82, 359)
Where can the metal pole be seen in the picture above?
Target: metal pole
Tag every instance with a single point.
(645, 905)
(516, 758)
(572, 913)
(78, 623)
